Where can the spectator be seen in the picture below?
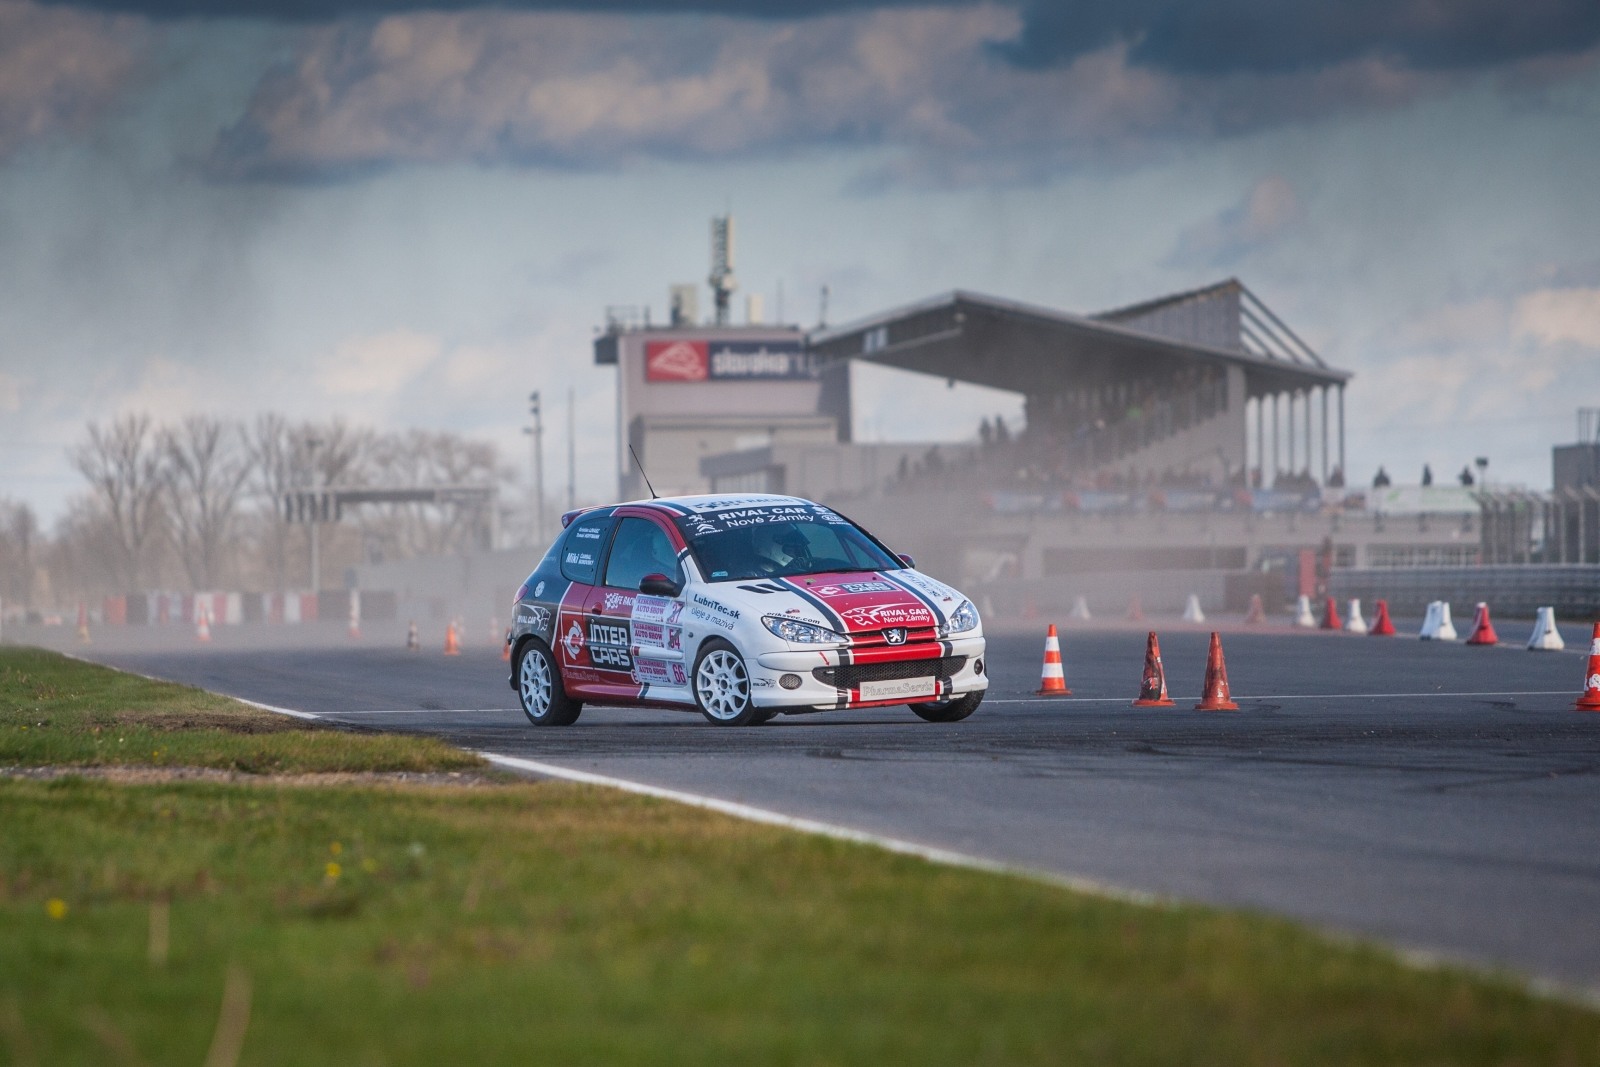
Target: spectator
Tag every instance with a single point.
(1427, 474)
(985, 432)
(1336, 479)
(1381, 479)
(1465, 477)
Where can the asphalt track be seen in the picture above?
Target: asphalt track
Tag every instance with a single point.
(1441, 798)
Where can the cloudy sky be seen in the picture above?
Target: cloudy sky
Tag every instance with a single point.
(411, 215)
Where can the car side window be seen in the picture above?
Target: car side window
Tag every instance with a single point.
(580, 552)
(641, 547)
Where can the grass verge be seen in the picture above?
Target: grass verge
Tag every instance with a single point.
(562, 924)
(59, 711)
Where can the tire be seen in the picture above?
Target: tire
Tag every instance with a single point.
(544, 698)
(953, 710)
(722, 686)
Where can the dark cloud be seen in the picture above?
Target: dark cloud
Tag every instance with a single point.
(328, 10)
(1273, 36)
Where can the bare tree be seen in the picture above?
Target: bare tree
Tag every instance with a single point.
(123, 468)
(204, 469)
(19, 537)
(285, 457)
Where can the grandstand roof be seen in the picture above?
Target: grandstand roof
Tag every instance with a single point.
(1024, 348)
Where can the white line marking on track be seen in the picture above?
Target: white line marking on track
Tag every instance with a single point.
(943, 856)
(424, 711)
(1286, 696)
(280, 711)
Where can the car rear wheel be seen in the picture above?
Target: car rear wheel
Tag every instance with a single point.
(953, 710)
(722, 686)
(544, 699)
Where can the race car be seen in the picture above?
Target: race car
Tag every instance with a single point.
(741, 607)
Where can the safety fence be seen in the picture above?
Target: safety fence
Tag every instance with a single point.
(1515, 591)
(231, 609)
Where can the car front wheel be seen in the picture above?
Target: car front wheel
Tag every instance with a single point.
(722, 686)
(544, 698)
(953, 710)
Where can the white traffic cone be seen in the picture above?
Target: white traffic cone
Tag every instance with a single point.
(1191, 610)
(1080, 610)
(1354, 623)
(1302, 614)
(1546, 638)
(1430, 622)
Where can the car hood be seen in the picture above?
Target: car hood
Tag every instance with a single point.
(855, 602)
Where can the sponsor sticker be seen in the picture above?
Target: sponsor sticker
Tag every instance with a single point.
(761, 683)
(608, 644)
(573, 641)
(656, 609)
(650, 633)
(882, 615)
(538, 590)
(716, 606)
(847, 588)
(721, 622)
(617, 601)
(535, 618)
(900, 688)
(652, 672)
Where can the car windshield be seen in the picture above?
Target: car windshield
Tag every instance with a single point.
(780, 542)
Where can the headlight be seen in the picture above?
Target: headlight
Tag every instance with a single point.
(964, 618)
(801, 633)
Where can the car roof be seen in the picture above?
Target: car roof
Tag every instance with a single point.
(681, 505)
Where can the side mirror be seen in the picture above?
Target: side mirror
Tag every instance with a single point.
(907, 560)
(659, 585)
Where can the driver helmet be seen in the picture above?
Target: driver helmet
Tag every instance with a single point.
(781, 544)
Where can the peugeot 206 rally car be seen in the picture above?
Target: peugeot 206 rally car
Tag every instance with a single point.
(743, 607)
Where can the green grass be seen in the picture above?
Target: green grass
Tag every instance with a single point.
(551, 923)
(59, 711)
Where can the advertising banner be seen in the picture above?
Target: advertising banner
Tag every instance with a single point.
(726, 361)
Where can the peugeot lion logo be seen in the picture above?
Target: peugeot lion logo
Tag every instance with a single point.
(895, 636)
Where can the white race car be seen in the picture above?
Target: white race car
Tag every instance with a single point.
(743, 607)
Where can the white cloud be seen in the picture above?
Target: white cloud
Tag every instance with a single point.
(1268, 211)
(60, 68)
(10, 393)
(380, 365)
(1557, 316)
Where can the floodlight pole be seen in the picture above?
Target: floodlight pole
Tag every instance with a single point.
(316, 515)
(537, 432)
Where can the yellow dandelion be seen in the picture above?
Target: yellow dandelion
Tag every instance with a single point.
(56, 908)
(336, 848)
(333, 870)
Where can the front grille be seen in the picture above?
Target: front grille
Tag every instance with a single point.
(852, 675)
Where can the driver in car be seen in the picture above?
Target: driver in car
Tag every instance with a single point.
(782, 548)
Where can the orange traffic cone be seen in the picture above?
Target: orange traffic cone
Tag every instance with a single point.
(1052, 682)
(1135, 610)
(1257, 613)
(1381, 626)
(1330, 616)
(1482, 629)
(1214, 696)
(1153, 686)
(202, 627)
(1590, 700)
(505, 649)
(83, 624)
(413, 643)
(452, 643)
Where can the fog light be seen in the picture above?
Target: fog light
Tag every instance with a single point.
(977, 666)
(790, 681)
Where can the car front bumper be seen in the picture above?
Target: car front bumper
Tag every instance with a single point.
(768, 670)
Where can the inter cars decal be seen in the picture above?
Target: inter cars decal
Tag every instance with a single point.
(609, 643)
